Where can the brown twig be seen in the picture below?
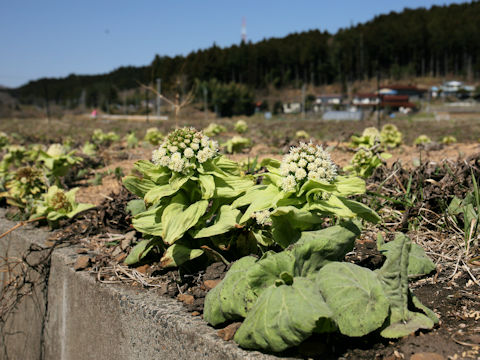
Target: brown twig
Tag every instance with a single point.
(20, 224)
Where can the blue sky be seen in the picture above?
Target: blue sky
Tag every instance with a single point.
(54, 38)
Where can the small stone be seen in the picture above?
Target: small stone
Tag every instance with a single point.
(142, 269)
(210, 284)
(186, 299)
(227, 333)
(129, 237)
(427, 356)
(117, 251)
(82, 251)
(195, 313)
(121, 257)
(82, 263)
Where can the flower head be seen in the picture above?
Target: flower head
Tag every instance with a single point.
(56, 150)
(307, 161)
(262, 217)
(184, 149)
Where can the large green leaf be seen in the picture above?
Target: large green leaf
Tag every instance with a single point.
(394, 278)
(349, 185)
(333, 205)
(314, 249)
(259, 198)
(226, 220)
(355, 296)
(178, 217)
(149, 222)
(232, 186)
(140, 250)
(207, 185)
(361, 210)
(232, 298)
(135, 206)
(268, 270)
(179, 253)
(283, 317)
(158, 174)
(138, 186)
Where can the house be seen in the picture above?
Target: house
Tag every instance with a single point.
(327, 102)
(292, 108)
(414, 93)
(365, 100)
(396, 102)
(456, 88)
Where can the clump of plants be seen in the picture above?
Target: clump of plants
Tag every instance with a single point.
(132, 140)
(237, 144)
(186, 191)
(300, 194)
(240, 126)
(302, 135)
(89, 149)
(368, 153)
(449, 139)
(57, 162)
(214, 129)
(285, 297)
(422, 140)
(390, 136)
(153, 136)
(101, 138)
(57, 204)
(4, 140)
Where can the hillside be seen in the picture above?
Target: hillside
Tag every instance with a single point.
(435, 42)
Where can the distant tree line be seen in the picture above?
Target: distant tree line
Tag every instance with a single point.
(433, 42)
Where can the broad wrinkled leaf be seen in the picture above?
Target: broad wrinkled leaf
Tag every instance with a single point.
(178, 217)
(268, 269)
(349, 185)
(283, 317)
(149, 222)
(394, 278)
(231, 186)
(158, 174)
(315, 249)
(138, 186)
(355, 295)
(333, 205)
(178, 253)
(226, 220)
(230, 299)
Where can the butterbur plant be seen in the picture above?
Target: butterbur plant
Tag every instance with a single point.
(101, 138)
(449, 139)
(187, 189)
(4, 140)
(390, 136)
(132, 140)
(237, 144)
(422, 140)
(214, 129)
(369, 138)
(365, 161)
(285, 297)
(26, 185)
(57, 204)
(240, 126)
(299, 194)
(153, 136)
(57, 161)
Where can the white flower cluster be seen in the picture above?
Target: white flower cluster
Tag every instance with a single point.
(262, 217)
(307, 161)
(183, 148)
(56, 150)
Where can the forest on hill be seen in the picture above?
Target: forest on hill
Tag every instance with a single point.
(436, 42)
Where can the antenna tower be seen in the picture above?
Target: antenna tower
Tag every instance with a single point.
(244, 30)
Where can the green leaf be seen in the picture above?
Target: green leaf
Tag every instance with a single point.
(349, 185)
(140, 250)
(260, 198)
(178, 217)
(283, 317)
(136, 206)
(159, 192)
(158, 174)
(355, 296)
(268, 269)
(207, 185)
(178, 253)
(315, 249)
(226, 220)
(149, 222)
(138, 186)
(230, 299)
(361, 210)
(232, 186)
(394, 278)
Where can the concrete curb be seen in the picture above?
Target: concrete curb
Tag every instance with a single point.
(72, 316)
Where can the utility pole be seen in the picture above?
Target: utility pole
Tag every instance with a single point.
(303, 101)
(159, 91)
(205, 108)
(47, 100)
(146, 101)
(378, 99)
